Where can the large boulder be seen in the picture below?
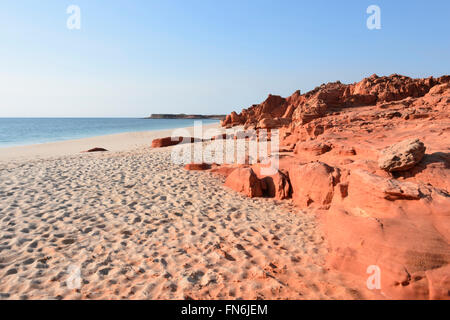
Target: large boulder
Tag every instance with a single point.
(273, 185)
(402, 156)
(313, 184)
(245, 181)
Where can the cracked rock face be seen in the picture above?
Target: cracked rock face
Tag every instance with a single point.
(402, 156)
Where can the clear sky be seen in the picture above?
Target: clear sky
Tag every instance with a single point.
(132, 58)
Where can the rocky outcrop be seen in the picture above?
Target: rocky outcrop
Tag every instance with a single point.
(316, 148)
(313, 184)
(332, 97)
(402, 156)
(245, 181)
(372, 160)
(273, 185)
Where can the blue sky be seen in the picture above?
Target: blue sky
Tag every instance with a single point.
(134, 58)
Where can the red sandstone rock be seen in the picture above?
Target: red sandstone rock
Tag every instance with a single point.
(267, 123)
(432, 170)
(399, 220)
(439, 283)
(344, 150)
(390, 189)
(313, 184)
(403, 250)
(223, 171)
(171, 141)
(313, 109)
(197, 166)
(245, 181)
(395, 225)
(328, 97)
(274, 185)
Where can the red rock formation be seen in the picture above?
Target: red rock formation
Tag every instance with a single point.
(166, 142)
(372, 216)
(313, 184)
(197, 166)
(245, 181)
(314, 147)
(332, 97)
(223, 171)
(394, 225)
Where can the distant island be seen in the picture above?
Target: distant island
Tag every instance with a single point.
(185, 116)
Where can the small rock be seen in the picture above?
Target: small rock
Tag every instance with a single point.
(313, 184)
(97, 150)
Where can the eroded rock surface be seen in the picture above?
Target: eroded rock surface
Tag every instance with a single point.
(373, 160)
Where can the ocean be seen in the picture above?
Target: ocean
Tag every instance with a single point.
(26, 131)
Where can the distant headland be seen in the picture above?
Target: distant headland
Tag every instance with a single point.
(185, 116)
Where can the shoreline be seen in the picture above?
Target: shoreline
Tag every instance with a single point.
(112, 142)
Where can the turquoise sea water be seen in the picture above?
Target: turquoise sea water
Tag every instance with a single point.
(25, 131)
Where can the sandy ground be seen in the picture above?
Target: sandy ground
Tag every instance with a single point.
(135, 226)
